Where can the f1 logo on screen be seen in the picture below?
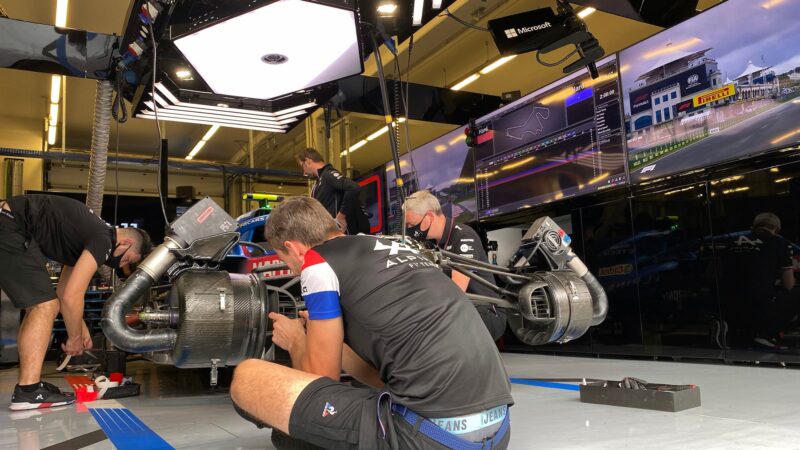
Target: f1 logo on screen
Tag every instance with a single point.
(649, 168)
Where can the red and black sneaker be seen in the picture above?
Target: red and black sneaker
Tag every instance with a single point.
(45, 396)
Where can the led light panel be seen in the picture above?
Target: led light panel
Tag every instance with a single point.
(274, 50)
(172, 109)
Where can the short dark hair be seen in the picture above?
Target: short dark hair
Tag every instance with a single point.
(308, 153)
(301, 219)
(141, 240)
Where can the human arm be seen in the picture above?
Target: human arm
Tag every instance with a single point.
(461, 280)
(787, 278)
(359, 369)
(71, 291)
(467, 244)
(349, 188)
(315, 349)
(787, 266)
(66, 271)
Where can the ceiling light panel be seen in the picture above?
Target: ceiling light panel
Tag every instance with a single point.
(178, 118)
(171, 108)
(211, 118)
(271, 51)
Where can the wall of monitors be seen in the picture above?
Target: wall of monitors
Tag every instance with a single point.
(717, 87)
(560, 141)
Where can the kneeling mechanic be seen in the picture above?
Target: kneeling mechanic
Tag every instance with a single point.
(391, 319)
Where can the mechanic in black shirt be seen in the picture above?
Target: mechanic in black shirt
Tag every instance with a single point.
(425, 221)
(758, 267)
(34, 228)
(388, 316)
(338, 194)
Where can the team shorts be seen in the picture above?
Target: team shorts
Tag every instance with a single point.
(23, 276)
(338, 416)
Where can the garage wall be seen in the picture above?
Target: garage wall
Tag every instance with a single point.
(72, 177)
(16, 133)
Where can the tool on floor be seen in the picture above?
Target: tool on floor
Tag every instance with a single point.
(633, 392)
(629, 392)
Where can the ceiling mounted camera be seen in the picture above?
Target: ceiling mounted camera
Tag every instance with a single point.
(544, 30)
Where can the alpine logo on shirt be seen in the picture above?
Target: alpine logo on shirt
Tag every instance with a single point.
(412, 257)
(329, 410)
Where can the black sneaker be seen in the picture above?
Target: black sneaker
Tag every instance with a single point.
(45, 396)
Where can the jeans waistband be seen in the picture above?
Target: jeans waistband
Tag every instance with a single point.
(448, 438)
(473, 422)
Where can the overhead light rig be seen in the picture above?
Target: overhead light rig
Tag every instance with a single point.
(240, 63)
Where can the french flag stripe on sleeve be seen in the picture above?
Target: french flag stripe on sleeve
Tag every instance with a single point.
(320, 288)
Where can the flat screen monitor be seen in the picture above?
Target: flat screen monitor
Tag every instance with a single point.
(720, 86)
(445, 167)
(560, 141)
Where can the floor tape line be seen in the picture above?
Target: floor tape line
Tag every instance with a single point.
(79, 442)
(546, 384)
(126, 431)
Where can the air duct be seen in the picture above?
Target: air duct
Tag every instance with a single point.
(203, 234)
(101, 129)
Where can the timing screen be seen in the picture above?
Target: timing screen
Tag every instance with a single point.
(559, 142)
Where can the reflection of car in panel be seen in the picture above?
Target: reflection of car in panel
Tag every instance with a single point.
(649, 256)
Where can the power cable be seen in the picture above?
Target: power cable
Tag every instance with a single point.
(158, 125)
(558, 63)
(118, 109)
(447, 13)
(116, 178)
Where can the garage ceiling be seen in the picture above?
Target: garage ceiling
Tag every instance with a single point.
(444, 52)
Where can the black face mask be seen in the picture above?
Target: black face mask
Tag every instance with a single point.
(115, 261)
(417, 233)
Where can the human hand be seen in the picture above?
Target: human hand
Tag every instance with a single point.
(287, 332)
(341, 220)
(74, 346)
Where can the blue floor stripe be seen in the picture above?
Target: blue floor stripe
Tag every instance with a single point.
(126, 431)
(546, 384)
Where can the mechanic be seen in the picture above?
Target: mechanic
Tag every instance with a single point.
(759, 268)
(371, 312)
(425, 221)
(33, 229)
(338, 194)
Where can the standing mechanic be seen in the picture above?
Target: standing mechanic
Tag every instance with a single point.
(388, 317)
(425, 221)
(759, 273)
(338, 194)
(34, 228)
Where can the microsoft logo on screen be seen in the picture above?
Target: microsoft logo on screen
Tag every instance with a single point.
(511, 33)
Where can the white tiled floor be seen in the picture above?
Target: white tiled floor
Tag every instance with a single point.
(744, 407)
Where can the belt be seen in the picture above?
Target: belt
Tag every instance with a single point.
(448, 439)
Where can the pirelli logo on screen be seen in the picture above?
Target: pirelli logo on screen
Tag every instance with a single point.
(724, 92)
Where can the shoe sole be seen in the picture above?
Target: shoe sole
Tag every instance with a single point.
(24, 406)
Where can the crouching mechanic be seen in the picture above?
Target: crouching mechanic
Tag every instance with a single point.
(392, 320)
(426, 222)
(34, 228)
